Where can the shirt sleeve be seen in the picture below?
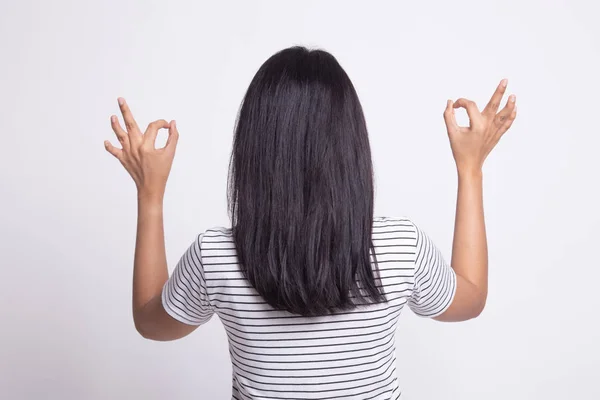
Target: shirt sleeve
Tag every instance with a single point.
(184, 295)
(435, 280)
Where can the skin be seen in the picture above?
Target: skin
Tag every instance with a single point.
(470, 147)
(150, 167)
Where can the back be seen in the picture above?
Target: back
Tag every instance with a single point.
(279, 355)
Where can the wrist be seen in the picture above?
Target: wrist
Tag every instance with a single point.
(470, 173)
(148, 197)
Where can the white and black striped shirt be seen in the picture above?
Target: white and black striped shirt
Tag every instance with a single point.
(278, 355)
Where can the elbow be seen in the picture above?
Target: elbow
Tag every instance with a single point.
(143, 323)
(479, 305)
(478, 310)
(139, 327)
(144, 334)
(142, 328)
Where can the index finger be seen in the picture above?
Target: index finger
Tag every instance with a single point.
(130, 123)
(470, 106)
(494, 103)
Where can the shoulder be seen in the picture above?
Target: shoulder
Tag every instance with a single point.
(217, 247)
(213, 237)
(402, 222)
(215, 240)
(394, 242)
(395, 235)
(216, 233)
(395, 232)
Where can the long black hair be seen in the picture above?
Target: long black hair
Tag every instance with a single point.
(300, 188)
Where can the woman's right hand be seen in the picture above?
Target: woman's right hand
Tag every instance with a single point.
(471, 145)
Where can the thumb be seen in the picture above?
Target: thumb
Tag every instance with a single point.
(152, 131)
(450, 118)
(173, 136)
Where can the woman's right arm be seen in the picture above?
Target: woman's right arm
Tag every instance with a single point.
(470, 147)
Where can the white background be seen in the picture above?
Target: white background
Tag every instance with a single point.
(68, 210)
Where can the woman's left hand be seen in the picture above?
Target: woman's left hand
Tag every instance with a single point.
(148, 166)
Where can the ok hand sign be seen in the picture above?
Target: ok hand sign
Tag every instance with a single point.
(471, 145)
(148, 166)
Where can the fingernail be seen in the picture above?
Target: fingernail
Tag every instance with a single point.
(121, 101)
(106, 143)
(504, 82)
(113, 118)
(174, 124)
(512, 98)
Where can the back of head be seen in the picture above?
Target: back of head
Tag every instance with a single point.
(300, 187)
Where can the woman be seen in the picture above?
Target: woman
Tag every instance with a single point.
(308, 283)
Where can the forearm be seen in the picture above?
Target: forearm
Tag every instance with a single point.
(150, 265)
(469, 250)
(470, 147)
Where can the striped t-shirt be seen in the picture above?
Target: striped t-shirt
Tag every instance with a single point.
(279, 355)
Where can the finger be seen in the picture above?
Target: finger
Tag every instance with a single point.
(113, 150)
(506, 112)
(492, 107)
(173, 136)
(450, 118)
(152, 131)
(119, 131)
(508, 122)
(471, 107)
(130, 123)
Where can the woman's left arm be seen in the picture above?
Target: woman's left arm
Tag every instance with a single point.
(149, 167)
